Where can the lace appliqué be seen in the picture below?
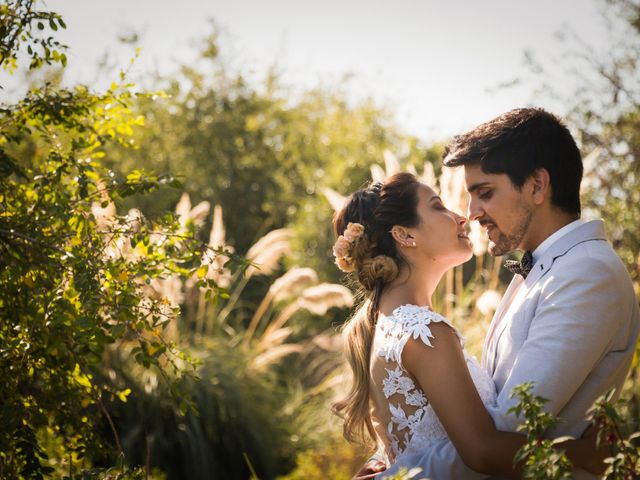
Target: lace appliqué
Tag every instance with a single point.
(405, 322)
(413, 423)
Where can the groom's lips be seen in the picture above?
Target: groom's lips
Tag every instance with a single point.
(488, 227)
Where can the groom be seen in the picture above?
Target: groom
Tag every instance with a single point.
(569, 320)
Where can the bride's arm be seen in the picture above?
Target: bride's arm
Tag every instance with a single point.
(444, 377)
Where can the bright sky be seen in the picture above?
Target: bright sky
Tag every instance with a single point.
(434, 63)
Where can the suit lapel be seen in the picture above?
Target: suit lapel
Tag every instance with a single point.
(515, 303)
(593, 230)
(488, 349)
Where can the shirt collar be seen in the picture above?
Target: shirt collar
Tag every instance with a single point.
(555, 236)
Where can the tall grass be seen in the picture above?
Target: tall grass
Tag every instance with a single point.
(252, 413)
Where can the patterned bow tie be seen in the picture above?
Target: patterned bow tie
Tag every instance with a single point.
(522, 267)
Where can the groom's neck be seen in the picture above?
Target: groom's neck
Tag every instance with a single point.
(544, 225)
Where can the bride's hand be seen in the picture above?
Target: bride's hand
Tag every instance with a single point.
(370, 470)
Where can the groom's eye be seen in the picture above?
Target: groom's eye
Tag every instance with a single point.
(485, 194)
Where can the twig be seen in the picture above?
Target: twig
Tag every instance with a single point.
(113, 427)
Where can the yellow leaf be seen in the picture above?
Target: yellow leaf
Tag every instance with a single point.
(202, 271)
(142, 249)
(124, 129)
(81, 379)
(124, 394)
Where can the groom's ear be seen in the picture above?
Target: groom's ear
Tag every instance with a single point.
(540, 186)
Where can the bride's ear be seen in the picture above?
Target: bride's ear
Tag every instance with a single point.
(401, 235)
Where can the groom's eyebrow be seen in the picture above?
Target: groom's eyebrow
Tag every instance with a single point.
(476, 186)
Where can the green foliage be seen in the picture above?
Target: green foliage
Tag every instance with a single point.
(71, 285)
(264, 155)
(540, 459)
(238, 418)
(24, 28)
(262, 152)
(327, 461)
(624, 463)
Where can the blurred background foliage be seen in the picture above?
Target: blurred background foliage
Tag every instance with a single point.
(260, 153)
(260, 170)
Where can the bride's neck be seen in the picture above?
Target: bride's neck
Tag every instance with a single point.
(414, 285)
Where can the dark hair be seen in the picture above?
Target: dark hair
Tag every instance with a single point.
(378, 208)
(519, 142)
(376, 260)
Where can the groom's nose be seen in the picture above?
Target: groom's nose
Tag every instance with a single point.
(474, 211)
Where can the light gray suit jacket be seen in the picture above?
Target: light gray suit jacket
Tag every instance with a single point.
(571, 328)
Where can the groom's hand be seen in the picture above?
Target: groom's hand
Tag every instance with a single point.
(370, 470)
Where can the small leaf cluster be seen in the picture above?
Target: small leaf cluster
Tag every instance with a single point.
(540, 458)
(22, 27)
(624, 463)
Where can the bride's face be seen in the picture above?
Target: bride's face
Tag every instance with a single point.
(441, 235)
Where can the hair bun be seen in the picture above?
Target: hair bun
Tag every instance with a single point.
(380, 267)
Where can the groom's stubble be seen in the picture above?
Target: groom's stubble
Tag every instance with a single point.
(510, 241)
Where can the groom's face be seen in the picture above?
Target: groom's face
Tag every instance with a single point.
(498, 206)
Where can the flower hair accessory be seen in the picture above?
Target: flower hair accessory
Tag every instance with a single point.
(343, 248)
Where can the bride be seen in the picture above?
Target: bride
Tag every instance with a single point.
(413, 382)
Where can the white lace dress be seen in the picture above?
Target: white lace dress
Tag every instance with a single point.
(403, 419)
